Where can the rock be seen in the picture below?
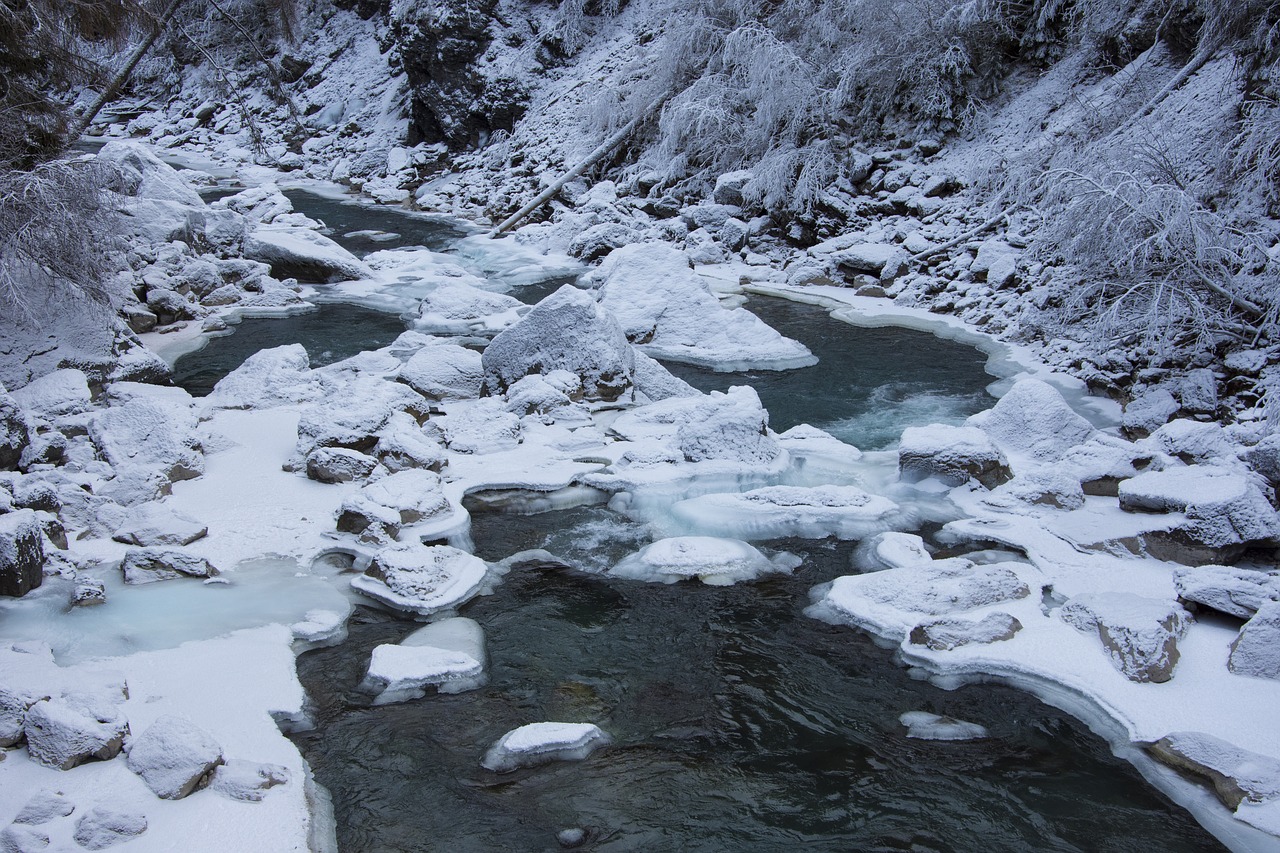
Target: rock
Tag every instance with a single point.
(1045, 487)
(21, 552)
(1256, 651)
(890, 550)
(655, 382)
(1032, 419)
(444, 372)
(339, 465)
(406, 497)
(354, 416)
(1139, 634)
(1223, 512)
(55, 395)
(485, 427)
(402, 445)
(664, 306)
(102, 827)
(144, 175)
(1193, 442)
(1149, 411)
(303, 254)
(174, 757)
(729, 186)
(565, 331)
(541, 743)
(599, 240)
(1198, 391)
(991, 252)
(247, 781)
(13, 431)
(714, 561)
(1264, 457)
(157, 524)
(1236, 592)
(774, 512)
(260, 204)
(552, 397)
(1237, 775)
(1102, 463)
(271, 377)
(63, 732)
(22, 839)
(709, 217)
(151, 440)
(457, 308)
(88, 592)
(148, 565)
(868, 258)
(952, 454)
(422, 579)
(45, 806)
(448, 655)
(925, 726)
(947, 634)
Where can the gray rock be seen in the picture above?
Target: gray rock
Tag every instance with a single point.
(64, 732)
(948, 634)
(353, 417)
(338, 465)
(1236, 774)
(156, 524)
(247, 781)
(148, 565)
(1139, 634)
(21, 552)
(143, 436)
(1256, 651)
(1198, 391)
(303, 254)
(1149, 411)
(103, 827)
(952, 454)
(1264, 457)
(599, 240)
(403, 445)
(174, 756)
(729, 186)
(1193, 442)
(45, 806)
(405, 497)
(13, 431)
(1236, 592)
(88, 592)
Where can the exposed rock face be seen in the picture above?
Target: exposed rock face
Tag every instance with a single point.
(1256, 651)
(174, 757)
(952, 454)
(565, 331)
(1140, 634)
(21, 552)
(454, 102)
(947, 634)
(13, 431)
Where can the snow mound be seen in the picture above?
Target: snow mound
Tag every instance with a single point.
(271, 377)
(541, 743)
(457, 308)
(448, 655)
(1033, 421)
(845, 512)
(714, 561)
(422, 579)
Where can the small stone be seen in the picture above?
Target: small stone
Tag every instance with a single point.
(44, 807)
(88, 592)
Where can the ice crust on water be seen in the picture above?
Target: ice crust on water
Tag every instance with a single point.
(669, 311)
(714, 561)
(541, 743)
(925, 726)
(449, 655)
(773, 512)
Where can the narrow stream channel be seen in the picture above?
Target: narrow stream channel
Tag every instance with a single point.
(739, 723)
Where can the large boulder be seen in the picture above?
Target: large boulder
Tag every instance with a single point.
(102, 827)
(57, 394)
(422, 579)
(1256, 651)
(952, 454)
(565, 331)
(444, 372)
(303, 254)
(1149, 411)
(174, 757)
(1033, 420)
(21, 552)
(271, 377)
(663, 305)
(1222, 513)
(1236, 592)
(1140, 635)
(148, 565)
(354, 416)
(65, 731)
(150, 441)
(1193, 442)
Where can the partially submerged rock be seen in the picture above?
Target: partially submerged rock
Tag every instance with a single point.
(716, 562)
(448, 655)
(773, 512)
(925, 726)
(422, 579)
(948, 633)
(951, 454)
(1140, 635)
(541, 743)
(303, 254)
(1256, 651)
(890, 550)
(1237, 775)
(148, 565)
(174, 756)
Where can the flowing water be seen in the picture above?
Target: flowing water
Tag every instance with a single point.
(739, 724)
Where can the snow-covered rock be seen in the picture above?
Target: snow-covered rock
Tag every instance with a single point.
(1264, 457)
(353, 416)
(1149, 411)
(148, 565)
(1033, 420)
(732, 426)
(339, 465)
(541, 743)
(949, 633)
(1047, 487)
(457, 308)
(668, 310)
(1193, 442)
(1223, 512)
(151, 443)
(867, 258)
(406, 497)
(889, 550)
(448, 655)
(14, 434)
(247, 781)
(1256, 651)
(103, 826)
(157, 524)
(44, 806)
(565, 331)
(21, 552)
(23, 839)
(57, 394)
(1140, 635)
(444, 372)
(303, 254)
(485, 427)
(271, 377)
(952, 454)
(66, 731)
(1237, 775)
(174, 756)
(402, 445)
(925, 726)
(1101, 464)
(1234, 591)
(773, 512)
(654, 382)
(714, 561)
(422, 579)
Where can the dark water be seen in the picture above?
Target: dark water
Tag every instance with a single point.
(330, 333)
(739, 724)
(343, 218)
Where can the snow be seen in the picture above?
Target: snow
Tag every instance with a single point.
(773, 512)
(540, 743)
(303, 254)
(422, 579)
(925, 726)
(714, 561)
(449, 655)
